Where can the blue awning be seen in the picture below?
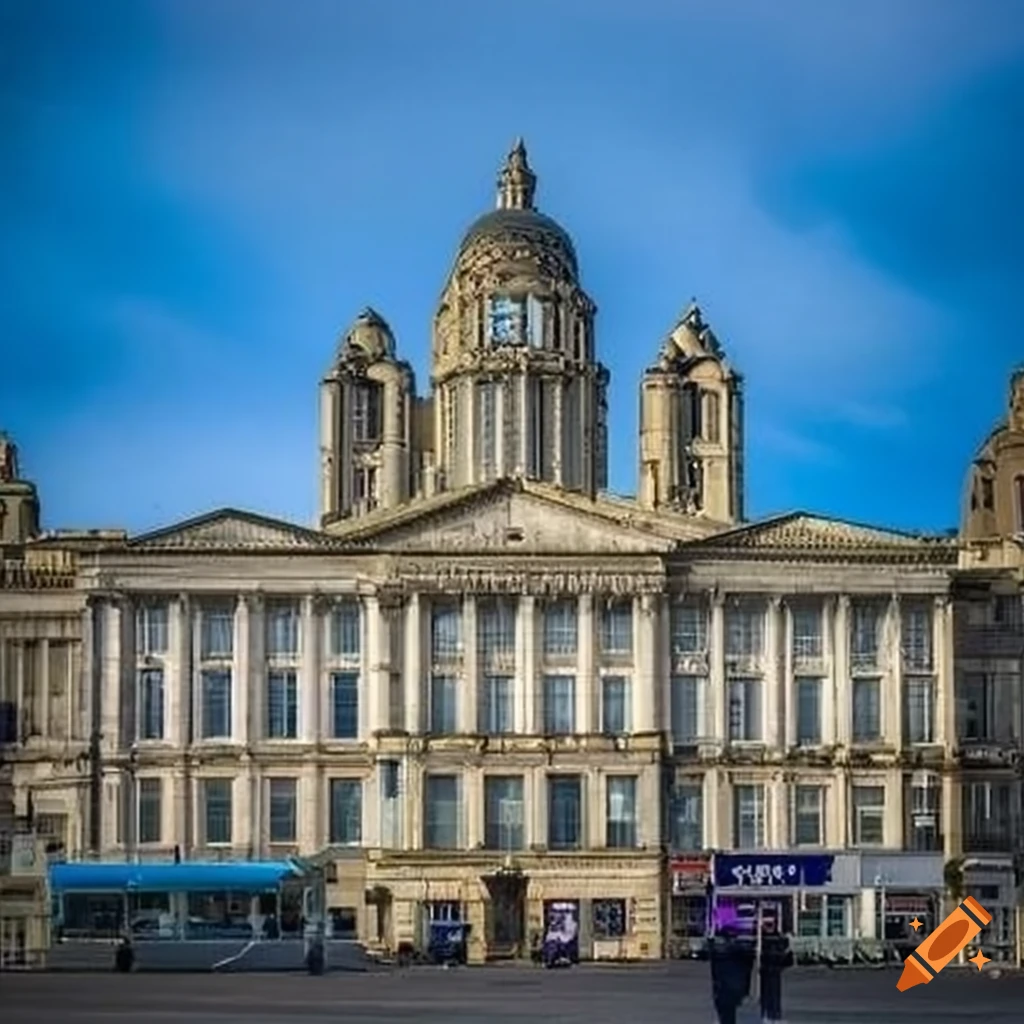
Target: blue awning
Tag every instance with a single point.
(195, 876)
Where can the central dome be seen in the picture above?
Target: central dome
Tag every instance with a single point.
(516, 224)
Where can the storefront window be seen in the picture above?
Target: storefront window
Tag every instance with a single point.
(836, 916)
(609, 919)
(689, 916)
(809, 915)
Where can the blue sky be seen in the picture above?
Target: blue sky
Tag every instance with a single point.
(198, 195)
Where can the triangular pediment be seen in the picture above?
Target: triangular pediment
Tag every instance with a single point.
(801, 533)
(513, 517)
(232, 530)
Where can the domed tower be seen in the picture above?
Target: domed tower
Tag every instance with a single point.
(518, 390)
(365, 423)
(691, 426)
(19, 500)
(995, 483)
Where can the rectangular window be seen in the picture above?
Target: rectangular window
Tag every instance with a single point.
(609, 919)
(614, 705)
(367, 418)
(495, 630)
(712, 417)
(345, 705)
(486, 429)
(346, 628)
(689, 627)
(560, 628)
(559, 705)
(282, 705)
(686, 825)
(617, 627)
(445, 632)
(283, 801)
(808, 712)
(748, 817)
(687, 700)
(215, 686)
(496, 709)
(620, 812)
(867, 710)
(507, 321)
(808, 813)
(865, 634)
(217, 631)
(744, 631)
(282, 630)
(922, 812)
(346, 812)
(150, 812)
(810, 910)
(503, 812)
(151, 630)
(744, 710)
(217, 811)
(441, 812)
(916, 638)
(835, 916)
(919, 710)
(151, 704)
(807, 640)
(868, 815)
(444, 705)
(565, 812)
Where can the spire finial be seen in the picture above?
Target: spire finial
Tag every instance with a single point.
(516, 182)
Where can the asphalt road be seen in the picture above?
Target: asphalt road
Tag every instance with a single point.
(676, 993)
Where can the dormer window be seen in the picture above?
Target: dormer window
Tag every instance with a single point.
(516, 321)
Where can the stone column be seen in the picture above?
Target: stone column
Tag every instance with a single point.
(82, 719)
(241, 672)
(714, 837)
(588, 697)
(242, 818)
(371, 810)
(648, 809)
(892, 701)
(828, 694)
(772, 676)
(44, 689)
(663, 669)
(594, 817)
(842, 684)
(413, 665)
(777, 800)
(945, 674)
(536, 811)
(526, 705)
(717, 727)
(309, 671)
(257, 677)
(110, 704)
(369, 678)
(467, 716)
(787, 681)
(645, 648)
(176, 670)
(951, 816)
(472, 808)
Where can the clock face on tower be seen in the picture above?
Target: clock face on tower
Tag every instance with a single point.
(504, 321)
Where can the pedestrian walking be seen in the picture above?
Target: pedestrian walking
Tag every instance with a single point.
(776, 956)
(732, 963)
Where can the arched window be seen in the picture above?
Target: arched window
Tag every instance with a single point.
(712, 417)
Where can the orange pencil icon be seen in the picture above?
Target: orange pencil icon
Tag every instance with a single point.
(962, 925)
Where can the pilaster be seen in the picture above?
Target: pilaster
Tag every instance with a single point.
(718, 704)
(467, 712)
(773, 683)
(176, 671)
(828, 688)
(892, 723)
(645, 647)
(840, 682)
(526, 666)
(241, 672)
(369, 678)
(309, 671)
(112, 614)
(413, 667)
(945, 674)
(587, 697)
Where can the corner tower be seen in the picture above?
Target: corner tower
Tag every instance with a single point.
(518, 390)
(366, 409)
(691, 426)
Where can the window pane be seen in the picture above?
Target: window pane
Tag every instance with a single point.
(496, 709)
(443, 705)
(745, 710)
(615, 705)
(151, 704)
(808, 712)
(748, 817)
(617, 627)
(216, 700)
(560, 628)
(150, 792)
(445, 632)
(621, 816)
(807, 815)
(687, 692)
(346, 812)
(282, 810)
(686, 828)
(217, 631)
(503, 812)
(689, 628)
(217, 808)
(565, 808)
(744, 631)
(559, 705)
(919, 711)
(441, 812)
(345, 705)
(282, 705)
(867, 710)
(807, 633)
(869, 814)
(346, 630)
(282, 628)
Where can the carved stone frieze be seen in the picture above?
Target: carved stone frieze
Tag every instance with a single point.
(458, 580)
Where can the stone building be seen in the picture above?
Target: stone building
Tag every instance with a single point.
(483, 682)
(989, 633)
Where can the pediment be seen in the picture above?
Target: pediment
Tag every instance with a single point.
(513, 520)
(803, 533)
(231, 530)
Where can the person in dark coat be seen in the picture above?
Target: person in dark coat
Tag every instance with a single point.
(776, 956)
(732, 962)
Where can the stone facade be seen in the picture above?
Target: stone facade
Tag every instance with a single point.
(484, 683)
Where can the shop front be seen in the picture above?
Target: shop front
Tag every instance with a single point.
(899, 889)
(689, 886)
(809, 897)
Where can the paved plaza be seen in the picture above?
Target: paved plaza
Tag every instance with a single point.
(656, 994)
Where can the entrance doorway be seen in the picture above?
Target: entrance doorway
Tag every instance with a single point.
(506, 913)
